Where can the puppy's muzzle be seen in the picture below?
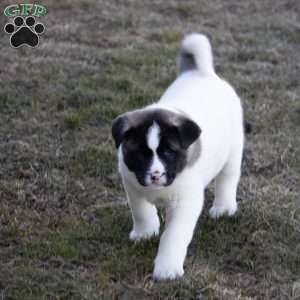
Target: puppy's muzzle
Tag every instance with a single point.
(156, 176)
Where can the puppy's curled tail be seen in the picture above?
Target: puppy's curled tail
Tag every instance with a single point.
(195, 54)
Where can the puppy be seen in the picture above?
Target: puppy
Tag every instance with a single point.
(169, 151)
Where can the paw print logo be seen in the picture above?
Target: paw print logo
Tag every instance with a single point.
(24, 31)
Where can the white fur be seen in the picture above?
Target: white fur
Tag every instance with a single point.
(197, 45)
(213, 104)
(157, 166)
(153, 137)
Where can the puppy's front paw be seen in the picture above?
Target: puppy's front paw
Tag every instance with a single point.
(167, 270)
(144, 232)
(218, 211)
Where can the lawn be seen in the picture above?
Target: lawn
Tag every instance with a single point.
(64, 221)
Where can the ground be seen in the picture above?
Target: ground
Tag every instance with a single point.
(64, 221)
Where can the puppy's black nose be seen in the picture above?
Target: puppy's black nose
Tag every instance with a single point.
(155, 176)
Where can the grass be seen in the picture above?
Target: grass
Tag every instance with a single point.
(64, 221)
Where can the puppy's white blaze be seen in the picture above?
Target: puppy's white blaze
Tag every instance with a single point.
(157, 165)
(153, 136)
(153, 139)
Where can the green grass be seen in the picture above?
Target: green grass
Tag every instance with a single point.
(64, 224)
(78, 257)
(95, 161)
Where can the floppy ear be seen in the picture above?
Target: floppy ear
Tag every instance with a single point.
(188, 132)
(120, 126)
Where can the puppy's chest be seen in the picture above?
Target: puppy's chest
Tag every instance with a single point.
(162, 199)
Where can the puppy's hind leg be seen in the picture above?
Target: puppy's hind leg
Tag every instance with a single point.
(226, 184)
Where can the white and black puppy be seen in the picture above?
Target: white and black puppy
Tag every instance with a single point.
(171, 150)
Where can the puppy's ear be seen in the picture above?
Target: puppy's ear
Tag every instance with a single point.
(120, 126)
(188, 132)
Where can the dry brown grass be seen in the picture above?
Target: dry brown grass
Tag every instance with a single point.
(63, 224)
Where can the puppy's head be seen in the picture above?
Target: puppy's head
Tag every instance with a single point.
(155, 144)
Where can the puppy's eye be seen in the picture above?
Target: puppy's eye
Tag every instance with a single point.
(139, 149)
(145, 150)
(132, 145)
(167, 150)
